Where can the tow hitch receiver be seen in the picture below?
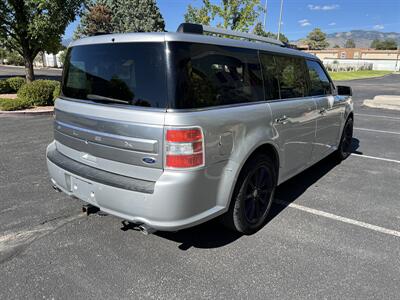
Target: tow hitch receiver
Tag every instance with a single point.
(90, 209)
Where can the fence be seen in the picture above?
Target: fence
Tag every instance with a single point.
(338, 65)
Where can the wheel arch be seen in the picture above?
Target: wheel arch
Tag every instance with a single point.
(265, 148)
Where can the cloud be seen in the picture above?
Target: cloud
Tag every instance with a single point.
(378, 27)
(332, 24)
(304, 23)
(323, 7)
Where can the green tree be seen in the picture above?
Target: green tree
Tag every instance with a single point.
(97, 18)
(230, 14)
(375, 43)
(120, 16)
(137, 16)
(14, 58)
(350, 44)
(336, 46)
(62, 56)
(388, 44)
(259, 30)
(202, 15)
(31, 26)
(316, 40)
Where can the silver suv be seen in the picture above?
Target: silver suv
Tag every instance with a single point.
(169, 130)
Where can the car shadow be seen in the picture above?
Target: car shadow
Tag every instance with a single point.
(213, 235)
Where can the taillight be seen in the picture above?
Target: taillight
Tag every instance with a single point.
(184, 148)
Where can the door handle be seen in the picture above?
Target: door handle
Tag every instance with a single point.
(322, 111)
(282, 120)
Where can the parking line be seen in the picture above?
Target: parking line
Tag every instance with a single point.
(339, 218)
(377, 158)
(377, 116)
(375, 130)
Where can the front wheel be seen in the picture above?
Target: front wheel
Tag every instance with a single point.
(344, 149)
(253, 196)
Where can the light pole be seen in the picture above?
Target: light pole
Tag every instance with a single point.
(265, 16)
(280, 20)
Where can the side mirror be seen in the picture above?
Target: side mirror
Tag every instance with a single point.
(343, 90)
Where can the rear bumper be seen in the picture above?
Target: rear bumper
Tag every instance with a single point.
(175, 201)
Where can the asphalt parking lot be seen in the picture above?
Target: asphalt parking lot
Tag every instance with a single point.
(41, 73)
(334, 231)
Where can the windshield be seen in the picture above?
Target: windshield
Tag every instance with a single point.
(125, 73)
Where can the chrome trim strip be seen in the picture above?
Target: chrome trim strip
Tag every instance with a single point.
(106, 152)
(129, 143)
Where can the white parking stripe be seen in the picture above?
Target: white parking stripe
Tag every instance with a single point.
(375, 130)
(377, 116)
(339, 218)
(377, 158)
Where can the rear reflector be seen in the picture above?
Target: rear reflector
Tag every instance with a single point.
(184, 148)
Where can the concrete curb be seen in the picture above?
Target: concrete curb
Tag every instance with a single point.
(384, 101)
(27, 112)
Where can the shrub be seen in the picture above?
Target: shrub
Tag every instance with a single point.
(16, 83)
(14, 104)
(57, 91)
(38, 92)
(5, 87)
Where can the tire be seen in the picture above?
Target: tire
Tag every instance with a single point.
(344, 149)
(253, 196)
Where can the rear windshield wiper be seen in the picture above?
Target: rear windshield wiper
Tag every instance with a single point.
(106, 99)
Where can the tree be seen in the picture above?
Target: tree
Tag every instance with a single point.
(137, 16)
(202, 15)
(62, 56)
(375, 43)
(350, 44)
(230, 14)
(336, 46)
(31, 26)
(388, 44)
(259, 30)
(96, 19)
(120, 16)
(316, 40)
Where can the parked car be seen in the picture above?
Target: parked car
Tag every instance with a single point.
(168, 130)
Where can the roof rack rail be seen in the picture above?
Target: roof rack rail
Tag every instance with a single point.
(200, 29)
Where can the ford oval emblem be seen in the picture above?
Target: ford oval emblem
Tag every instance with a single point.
(148, 160)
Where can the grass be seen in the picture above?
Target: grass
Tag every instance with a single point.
(357, 74)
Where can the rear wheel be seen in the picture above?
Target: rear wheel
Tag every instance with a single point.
(253, 196)
(344, 149)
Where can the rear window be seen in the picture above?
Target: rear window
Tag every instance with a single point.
(125, 73)
(205, 75)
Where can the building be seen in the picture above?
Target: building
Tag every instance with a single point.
(379, 59)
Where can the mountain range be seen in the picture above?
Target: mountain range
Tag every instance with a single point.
(362, 38)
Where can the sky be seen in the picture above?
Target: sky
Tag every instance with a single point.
(301, 16)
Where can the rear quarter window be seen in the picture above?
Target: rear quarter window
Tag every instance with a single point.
(210, 75)
(284, 76)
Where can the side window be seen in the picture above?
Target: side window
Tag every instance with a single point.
(270, 75)
(320, 84)
(211, 75)
(292, 82)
